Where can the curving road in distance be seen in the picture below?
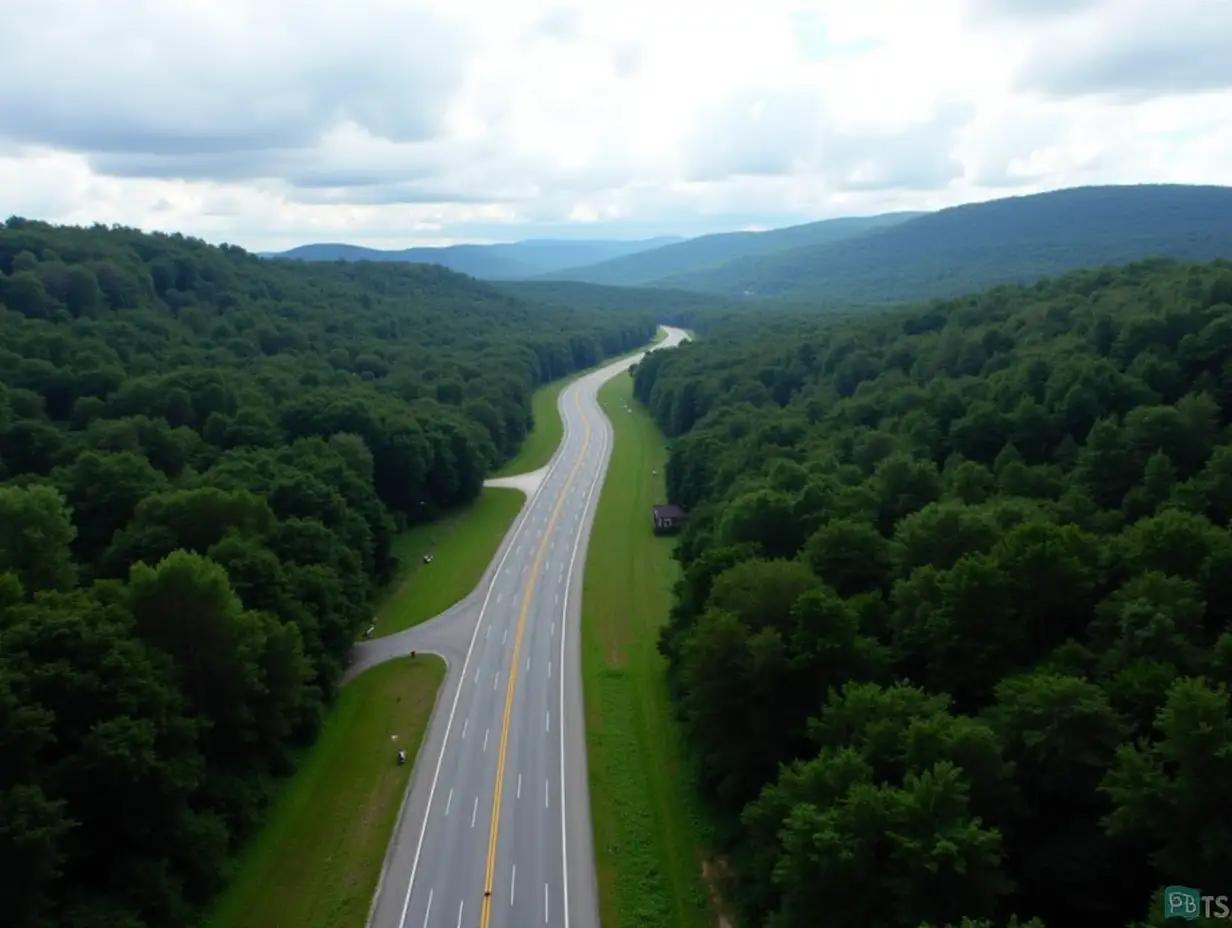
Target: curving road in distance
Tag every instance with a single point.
(495, 830)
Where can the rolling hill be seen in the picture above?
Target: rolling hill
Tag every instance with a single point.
(964, 248)
(503, 261)
(698, 255)
(670, 306)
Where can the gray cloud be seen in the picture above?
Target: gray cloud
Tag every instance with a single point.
(1009, 137)
(395, 194)
(64, 119)
(351, 159)
(304, 101)
(914, 157)
(754, 133)
(1134, 53)
(767, 134)
(565, 25)
(177, 87)
(354, 178)
(222, 164)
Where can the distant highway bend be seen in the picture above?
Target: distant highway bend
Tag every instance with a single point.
(495, 831)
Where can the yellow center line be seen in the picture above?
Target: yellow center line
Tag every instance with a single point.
(513, 674)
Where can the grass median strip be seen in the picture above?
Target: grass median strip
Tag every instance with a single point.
(463, 544)
(316, 862)
(648, 832)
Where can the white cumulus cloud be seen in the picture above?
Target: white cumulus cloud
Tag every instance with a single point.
(270, 123)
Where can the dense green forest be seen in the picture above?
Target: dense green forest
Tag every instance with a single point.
(662, 304)
(203, 458)
(978, 245)
(953, 639)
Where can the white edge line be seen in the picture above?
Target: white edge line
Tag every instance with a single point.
(526, 511)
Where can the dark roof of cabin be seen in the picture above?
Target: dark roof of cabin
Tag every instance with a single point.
(670, 511)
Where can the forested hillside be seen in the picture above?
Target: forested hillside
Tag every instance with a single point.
(954, 635)
(1013, 240)
(499, 261)
(662, 304)
(698, 255)
(203, 458)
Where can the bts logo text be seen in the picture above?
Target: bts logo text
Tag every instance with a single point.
(1189, 904)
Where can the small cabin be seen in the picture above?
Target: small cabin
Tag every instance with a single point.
(668, 519)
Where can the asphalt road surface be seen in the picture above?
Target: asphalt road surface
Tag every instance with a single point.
(495, 831)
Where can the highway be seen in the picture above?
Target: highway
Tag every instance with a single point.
(495, 831)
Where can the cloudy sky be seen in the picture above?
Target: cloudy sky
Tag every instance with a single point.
(271, 123)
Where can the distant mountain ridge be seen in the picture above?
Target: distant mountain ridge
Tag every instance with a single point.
(868, 260)
(978, 245)
(501, 261)
(604, 261)
(697, 255)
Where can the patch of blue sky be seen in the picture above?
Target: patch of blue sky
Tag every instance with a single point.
(813, 41)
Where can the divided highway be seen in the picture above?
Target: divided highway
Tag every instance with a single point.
(495, 832)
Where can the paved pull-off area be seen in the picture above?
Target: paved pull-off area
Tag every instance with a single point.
(495, 831)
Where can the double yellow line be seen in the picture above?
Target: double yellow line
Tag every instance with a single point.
(513, 673)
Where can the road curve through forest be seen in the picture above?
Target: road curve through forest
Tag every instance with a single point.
(495, 828)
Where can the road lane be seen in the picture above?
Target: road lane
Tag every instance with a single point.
(533, 823)
(528, 842)
(496, 830)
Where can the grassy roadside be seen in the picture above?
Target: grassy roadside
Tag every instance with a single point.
(648, 833)
(464, 543)
(543, 441)
(316, 862)
(539, 446)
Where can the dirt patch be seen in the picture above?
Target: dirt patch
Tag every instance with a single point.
(715, 873)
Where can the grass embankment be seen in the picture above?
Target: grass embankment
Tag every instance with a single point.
(316, 862)
(649, 834)
(539, 446)
(544, 439)
(464, 543)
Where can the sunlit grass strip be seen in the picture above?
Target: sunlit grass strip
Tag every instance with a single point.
(463, 543)
(648, 833)
(316, 862)
(544, 439)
